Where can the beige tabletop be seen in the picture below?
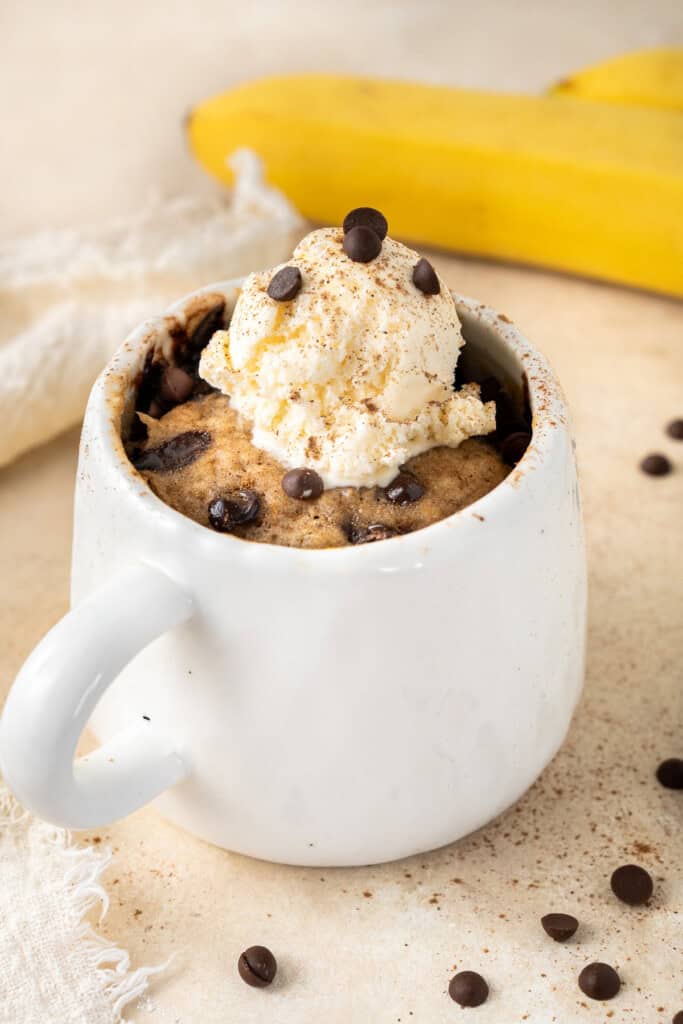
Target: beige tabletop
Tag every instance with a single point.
(380, 944)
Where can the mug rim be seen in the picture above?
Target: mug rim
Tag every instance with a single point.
(549, 420)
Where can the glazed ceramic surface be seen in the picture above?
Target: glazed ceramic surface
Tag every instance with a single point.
(334, 707)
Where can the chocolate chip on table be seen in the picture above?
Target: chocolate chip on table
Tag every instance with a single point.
(175, 453)
(670, 773)
(303, 484)
(404, 489)
(425, 278)
(286, 284)
(514, 446)
(257, 966)
(631, 884)
(599, 981)
(467, 988)
(362, 244)
(175, 386)
(231, 510)
(366, 217)
(656, 465)
(371, 533)
(559, 927)
(675, 429)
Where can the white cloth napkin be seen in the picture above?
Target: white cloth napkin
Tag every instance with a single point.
(70, 297)
(54, 967)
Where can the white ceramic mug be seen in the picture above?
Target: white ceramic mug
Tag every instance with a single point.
(331, 707)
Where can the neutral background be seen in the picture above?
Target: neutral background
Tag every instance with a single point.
(92, 99)
(93, 94)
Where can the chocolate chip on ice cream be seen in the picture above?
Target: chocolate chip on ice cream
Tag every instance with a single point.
(362, 244)
(286, 284)
(425, 278)
(366, 217)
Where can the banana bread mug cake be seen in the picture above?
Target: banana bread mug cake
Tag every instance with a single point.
(332, 409)
(313, 405)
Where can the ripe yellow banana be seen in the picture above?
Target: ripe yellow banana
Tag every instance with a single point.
(648, 78)
(590, 188)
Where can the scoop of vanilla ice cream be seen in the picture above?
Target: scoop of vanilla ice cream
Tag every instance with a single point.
(354, 375)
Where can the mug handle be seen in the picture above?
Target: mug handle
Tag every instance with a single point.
(59, 685)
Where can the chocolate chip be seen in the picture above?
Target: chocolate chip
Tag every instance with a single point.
(404, 489)
(599, 981)
(285, 284)
(656, 465)
(302, 484)
(362, 244)
(369, 534)
(138, 430)
(175, 453)
(514, 446)
(231, 510)
(678, 1019)
(176, 385)
(675, 430)
(559, 927)
(257, 966)
(631, 884)
(467, 988)
(205, 330)
(155, 409)
(202, 387)
(670, 773)
(366, 217)
(148, 382)
(424, 277)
